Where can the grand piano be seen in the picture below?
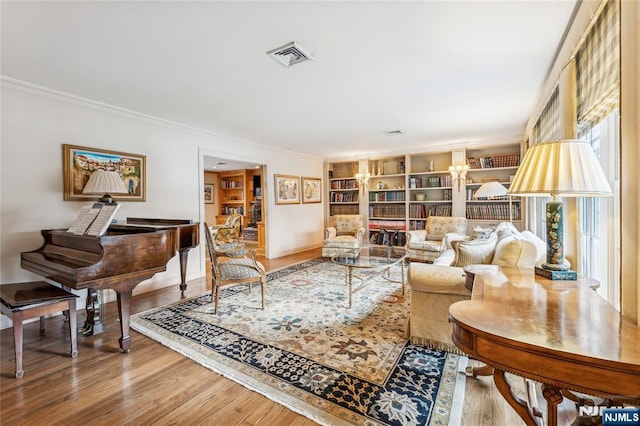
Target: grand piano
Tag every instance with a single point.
(119, 260)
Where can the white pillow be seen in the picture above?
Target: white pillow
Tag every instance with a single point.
(515, 250)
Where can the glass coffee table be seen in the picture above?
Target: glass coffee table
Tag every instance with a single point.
(371, 257)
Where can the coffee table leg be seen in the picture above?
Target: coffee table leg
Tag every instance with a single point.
(349, 278)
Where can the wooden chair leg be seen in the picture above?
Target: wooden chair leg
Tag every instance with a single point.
(263, 285)
(42, 324)
(17, 319)
(216, 295)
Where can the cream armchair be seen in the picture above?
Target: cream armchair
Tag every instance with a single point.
(429, 243)
(344, 236)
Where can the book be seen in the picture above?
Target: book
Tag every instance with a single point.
(94, 219)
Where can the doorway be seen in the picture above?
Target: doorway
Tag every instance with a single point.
(237, 185)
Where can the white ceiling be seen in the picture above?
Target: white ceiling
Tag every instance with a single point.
(444, 72)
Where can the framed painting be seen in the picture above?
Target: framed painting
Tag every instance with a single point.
(80, 162)
(208, 193)
(287, 189)
(311, 190)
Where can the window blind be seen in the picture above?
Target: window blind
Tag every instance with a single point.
(548, 125)
(598, 67)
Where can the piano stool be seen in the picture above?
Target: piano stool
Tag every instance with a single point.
(22, 301)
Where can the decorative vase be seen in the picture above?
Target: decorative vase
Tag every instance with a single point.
(380, 185)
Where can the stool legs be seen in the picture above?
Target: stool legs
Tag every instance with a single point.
(72, 328)
(17, 319)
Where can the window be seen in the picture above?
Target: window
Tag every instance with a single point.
(599, 217)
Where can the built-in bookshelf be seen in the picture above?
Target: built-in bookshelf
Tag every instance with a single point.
(344, 191)
(232, 196)
(404, 190)
(430, 191)
(387, 207)
(497, 164)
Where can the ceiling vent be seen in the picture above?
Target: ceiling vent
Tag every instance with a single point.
(289, 54)
(392, 132)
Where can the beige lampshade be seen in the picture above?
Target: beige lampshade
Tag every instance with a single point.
(566, 168)
(490, 190)
(101, 182)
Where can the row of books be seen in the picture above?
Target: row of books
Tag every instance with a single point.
(387, 196)
(231, 210)
(231, 184)
(343, 197)
(393, 210)
(348, 209)
(506, 160)
(423, 211)
(430, 181)
(344, 184)
(384, 238)
(496, 211)
(387, 224)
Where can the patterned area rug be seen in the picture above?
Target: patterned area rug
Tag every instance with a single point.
(311, 353)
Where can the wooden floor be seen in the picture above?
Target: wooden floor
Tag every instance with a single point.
(153, 384)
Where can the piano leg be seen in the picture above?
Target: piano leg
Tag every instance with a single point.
(124, 311)
(93, 324)
(183, 254)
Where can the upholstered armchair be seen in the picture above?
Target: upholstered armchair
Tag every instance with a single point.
(230, 232)
(233, 264)
(344, 236)
(429, 243)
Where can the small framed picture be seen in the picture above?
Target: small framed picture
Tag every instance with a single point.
(287, 189)
(208, 193)
(311, 190)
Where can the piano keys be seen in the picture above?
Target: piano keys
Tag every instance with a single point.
(119, 260)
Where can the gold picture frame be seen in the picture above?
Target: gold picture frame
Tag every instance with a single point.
(208, 193)
(311, 190)
(80, 162)
(287, 189)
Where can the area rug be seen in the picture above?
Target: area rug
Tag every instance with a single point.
(309, 352)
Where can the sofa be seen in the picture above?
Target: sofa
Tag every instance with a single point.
(429, 243)
(435, 286)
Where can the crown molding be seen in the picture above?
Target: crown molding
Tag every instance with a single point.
(57, 95)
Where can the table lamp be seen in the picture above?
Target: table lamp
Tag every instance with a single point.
(563, 168)
(493, 190)
(104, 182)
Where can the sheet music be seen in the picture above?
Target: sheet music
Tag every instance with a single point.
(85, 218)
(103, 219)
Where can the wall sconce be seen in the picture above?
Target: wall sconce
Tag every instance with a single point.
(363, 179)
(459, 173)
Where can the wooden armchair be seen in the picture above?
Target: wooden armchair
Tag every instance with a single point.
(232, 264)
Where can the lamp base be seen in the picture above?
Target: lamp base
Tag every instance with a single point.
(566, 275)
(107, 199)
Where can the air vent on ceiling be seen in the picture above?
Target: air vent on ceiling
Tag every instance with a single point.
(289, 54)
(392, 132)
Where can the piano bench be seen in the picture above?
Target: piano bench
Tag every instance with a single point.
(22, 301)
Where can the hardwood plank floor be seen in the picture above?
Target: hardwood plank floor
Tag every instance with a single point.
(153, 384)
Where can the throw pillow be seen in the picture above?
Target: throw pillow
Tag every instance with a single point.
(480, 233)
(474, 252)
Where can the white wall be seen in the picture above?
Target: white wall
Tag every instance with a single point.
(36, 122)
